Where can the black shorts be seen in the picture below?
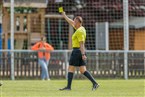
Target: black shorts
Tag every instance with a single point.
(76, 58)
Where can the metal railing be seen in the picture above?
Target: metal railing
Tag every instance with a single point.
(27, 1)
(101, 64)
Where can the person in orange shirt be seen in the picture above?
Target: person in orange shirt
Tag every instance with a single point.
(44, 56)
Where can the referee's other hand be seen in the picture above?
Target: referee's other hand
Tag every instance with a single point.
(84, 57)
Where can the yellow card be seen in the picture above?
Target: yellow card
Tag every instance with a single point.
(60, 9)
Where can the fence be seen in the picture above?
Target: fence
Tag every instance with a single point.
(108, 64)
(110, 25)
(120, 15)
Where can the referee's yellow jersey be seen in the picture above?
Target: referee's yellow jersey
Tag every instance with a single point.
(78, 36)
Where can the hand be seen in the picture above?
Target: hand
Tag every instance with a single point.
(63, 13)
(84, 57)
(43, 48)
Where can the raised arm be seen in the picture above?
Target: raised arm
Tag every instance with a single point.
(70, 21)
(35, 47)
(49, 47)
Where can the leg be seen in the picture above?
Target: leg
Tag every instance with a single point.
(84, 71)
(71, 70)
(47, 64)
(40, 61)
(44, 69)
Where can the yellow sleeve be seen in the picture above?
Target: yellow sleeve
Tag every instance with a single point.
(80, 36)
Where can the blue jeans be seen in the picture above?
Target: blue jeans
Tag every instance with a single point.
(44, 65)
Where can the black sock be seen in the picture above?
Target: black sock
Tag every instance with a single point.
(69, 79)
(90, 77)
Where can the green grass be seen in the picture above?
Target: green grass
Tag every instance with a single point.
(80, 88)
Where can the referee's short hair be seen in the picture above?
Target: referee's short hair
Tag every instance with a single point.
(79, 18)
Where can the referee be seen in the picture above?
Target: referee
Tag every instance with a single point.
(78, 56)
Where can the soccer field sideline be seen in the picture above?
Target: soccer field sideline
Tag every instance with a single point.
(80, 88)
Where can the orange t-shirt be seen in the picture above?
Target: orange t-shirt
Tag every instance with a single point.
(43, 54)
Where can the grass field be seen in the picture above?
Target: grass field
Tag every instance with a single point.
(80, 88)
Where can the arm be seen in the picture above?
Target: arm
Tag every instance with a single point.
(81, 39)
(82, 48)
(70, 21)
(35, 47)
(49, 47)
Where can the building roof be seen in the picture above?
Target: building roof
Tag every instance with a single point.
(134, 22)
(27, 3)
